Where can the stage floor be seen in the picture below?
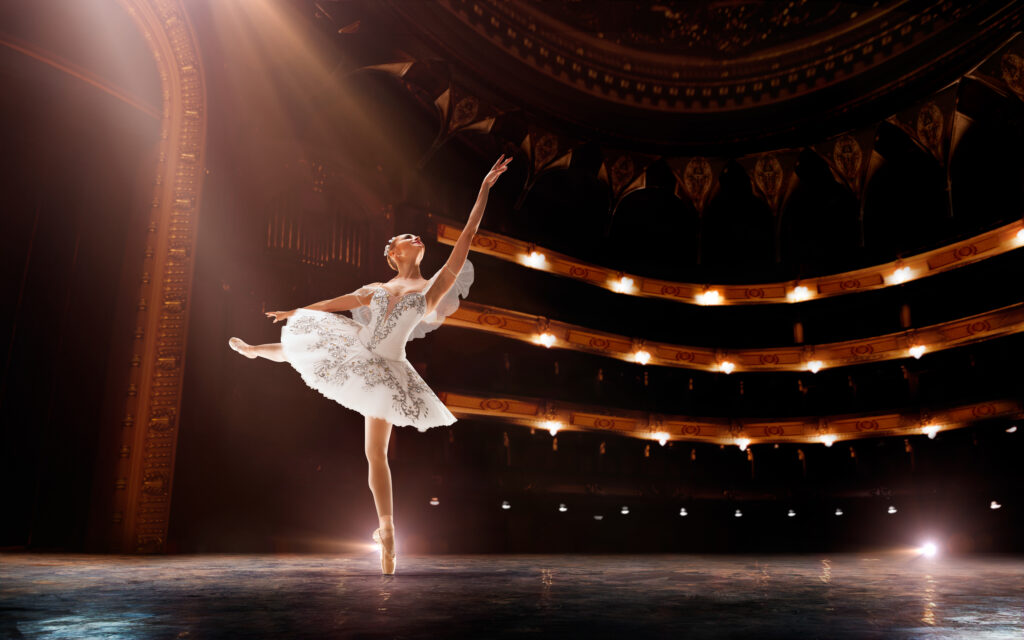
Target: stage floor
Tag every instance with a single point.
(892, 595)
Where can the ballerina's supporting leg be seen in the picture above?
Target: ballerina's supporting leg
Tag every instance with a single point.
(378, 433)
(270, 351)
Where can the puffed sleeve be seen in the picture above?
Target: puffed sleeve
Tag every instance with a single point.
(447, 305)
(362, 314)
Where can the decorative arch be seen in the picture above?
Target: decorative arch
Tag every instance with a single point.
(148, 432)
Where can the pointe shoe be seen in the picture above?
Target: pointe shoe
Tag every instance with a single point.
(388, 557)
(241, 347)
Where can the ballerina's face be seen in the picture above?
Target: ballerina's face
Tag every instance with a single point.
(407, 246)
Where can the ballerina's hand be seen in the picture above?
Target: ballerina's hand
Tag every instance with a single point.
(498, 169)
(280, 315)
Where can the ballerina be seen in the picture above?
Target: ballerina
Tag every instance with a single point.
(360, 362)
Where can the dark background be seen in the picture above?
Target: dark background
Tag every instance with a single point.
(266, 464)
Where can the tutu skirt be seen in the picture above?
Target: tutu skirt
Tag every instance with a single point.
(326, 350)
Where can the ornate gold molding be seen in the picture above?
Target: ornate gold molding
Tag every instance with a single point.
(558, 416)
(149, 429)
(521, 326)
(986, 245)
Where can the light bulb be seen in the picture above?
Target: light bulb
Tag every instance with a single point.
(546, 339)
(726, 366)
(738, 514)
(742, 443)
(930, 430)
(434, 502)
(711, 296)
(505, 504)
(814, 366)
(994, 505)
(562, 507)
(839, 512)
(891, 510)
(622, 285)
(552, 426)
(535, 259)
(625, 510)
(799, 294)
(900, 275)
(643, 357)
(828, 439)
(917, 351)
(683, 512)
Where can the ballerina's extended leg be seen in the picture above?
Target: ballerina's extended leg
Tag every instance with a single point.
(378, 433)
(270, 351)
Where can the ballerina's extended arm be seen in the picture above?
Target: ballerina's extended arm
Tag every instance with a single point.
(357, 298)
(447, 274)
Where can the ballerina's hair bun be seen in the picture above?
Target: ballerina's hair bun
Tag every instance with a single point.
(387, 249)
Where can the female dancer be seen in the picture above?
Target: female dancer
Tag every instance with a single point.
(360, 362)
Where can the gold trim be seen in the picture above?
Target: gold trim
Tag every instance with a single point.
(148, 442)
(539, 413)
(938, 337)
(986, 245)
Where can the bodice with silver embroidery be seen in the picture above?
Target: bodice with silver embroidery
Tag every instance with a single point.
(387, 333)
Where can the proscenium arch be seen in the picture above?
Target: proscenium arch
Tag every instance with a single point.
(141, 477)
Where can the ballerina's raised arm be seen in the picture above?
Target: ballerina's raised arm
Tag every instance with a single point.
(446, 275)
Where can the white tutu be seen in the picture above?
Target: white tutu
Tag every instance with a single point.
(362, 365)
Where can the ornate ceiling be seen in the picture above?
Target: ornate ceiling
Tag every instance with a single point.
(710, 76)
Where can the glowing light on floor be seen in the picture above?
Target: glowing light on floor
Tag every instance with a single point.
(711, 296)
(929, 550)
(434, 502)
(900, 275)
(726, 366)
(995, 505)
(553, 426)
(505, 504)
(799, 294)
(535, 260)
(839, 512)
(828, 439)
(625, 510)
(738, 514)
(742, 443)
(814, 366)
(891, 510)
(683, 513)
(791, 513)
(917, 351)
(643, 357)
(930, 430)
(562, 508)
(623, 285)
(546, 339)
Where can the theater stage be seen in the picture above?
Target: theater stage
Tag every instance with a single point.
(881, 595)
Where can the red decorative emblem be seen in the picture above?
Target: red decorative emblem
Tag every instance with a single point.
(773, 430)
(862, 350)
(867, 425)
(754, 293)
(850, 284)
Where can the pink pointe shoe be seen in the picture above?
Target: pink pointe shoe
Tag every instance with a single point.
(388, 558)
(241, 347)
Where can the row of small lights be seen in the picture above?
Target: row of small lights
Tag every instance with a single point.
(828, 439)
(714, 297)
(791, 513)
(711, 296)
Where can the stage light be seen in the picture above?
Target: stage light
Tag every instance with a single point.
(930, 430)
(891, 510)
(535, 260)
(598, 517)
(828, 439)
(738, 514)
(929, 550)
(623, 285)
(505, 504)
(742, 443)
(662, 437)
(917, 351)
(434, 502)
(814, 366)
(643, 357)
(839, 512)
(711, 296)
(994, 505)
(562, 508)
(900, 275)
(726, 366)
(799, 294)
(683, 513)
(546, 339)
(625, 510)
(552, 426)
(791, 513)
(1012, 429)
